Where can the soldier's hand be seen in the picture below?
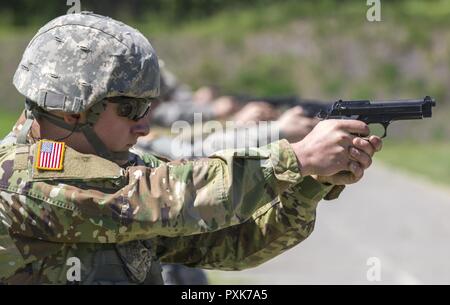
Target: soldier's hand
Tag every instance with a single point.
(224, 106)
(369, 146)
(294, 125)
(254, 112)
(332, 150)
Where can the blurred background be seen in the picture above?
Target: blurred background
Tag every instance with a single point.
(325, 50)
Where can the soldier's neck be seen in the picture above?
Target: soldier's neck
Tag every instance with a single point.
(76, 140)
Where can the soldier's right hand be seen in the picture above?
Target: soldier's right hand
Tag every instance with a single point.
(326, 150)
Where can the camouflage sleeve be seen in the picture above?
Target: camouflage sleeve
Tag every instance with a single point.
(274, 228)
(89, 201)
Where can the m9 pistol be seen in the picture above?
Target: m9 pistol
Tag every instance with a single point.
(380, 112)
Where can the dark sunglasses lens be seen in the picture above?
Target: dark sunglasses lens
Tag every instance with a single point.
(143, 110)
(125, 109)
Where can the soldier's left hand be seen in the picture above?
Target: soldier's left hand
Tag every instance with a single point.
(361, 152)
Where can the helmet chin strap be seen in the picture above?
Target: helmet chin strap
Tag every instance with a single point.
(87, 129)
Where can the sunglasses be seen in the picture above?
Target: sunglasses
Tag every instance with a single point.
(130, 107)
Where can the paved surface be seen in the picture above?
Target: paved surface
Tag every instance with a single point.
(401, 220)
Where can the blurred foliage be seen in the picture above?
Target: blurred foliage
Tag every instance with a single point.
(265, 76)
(26, 12)
(29, 12)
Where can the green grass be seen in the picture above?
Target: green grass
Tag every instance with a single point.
(431, 160)
(7, 121)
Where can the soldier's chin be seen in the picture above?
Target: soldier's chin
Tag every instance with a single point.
(124, 153)
(122, 150)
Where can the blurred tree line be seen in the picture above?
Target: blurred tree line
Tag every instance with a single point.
(26, 12)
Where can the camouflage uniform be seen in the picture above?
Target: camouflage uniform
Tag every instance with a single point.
(229, 211)
(239, 205)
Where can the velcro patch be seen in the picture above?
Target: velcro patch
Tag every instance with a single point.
(49, 155)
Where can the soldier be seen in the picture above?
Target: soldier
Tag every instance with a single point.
(181, 103)
(71, 191)
(293, 125)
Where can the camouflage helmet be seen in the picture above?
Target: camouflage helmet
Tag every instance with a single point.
(76, 60)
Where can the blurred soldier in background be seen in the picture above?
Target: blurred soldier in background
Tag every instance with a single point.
(179, 103)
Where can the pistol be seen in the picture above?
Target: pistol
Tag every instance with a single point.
(380, 112)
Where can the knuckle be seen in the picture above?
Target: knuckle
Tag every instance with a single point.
(340, 150)
(357, 142)
(335, 124)
(342, 137)
(364, 144)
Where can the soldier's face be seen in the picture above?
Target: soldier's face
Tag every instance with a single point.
(119, 133)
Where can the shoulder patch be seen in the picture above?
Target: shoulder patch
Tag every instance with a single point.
(80, 166)
(49, 155)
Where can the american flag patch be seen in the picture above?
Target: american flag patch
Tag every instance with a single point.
(50, 155)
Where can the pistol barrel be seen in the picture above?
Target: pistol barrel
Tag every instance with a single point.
(375, 111)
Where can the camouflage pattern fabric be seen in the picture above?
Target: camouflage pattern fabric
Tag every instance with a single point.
(233, 210)
(225, 212)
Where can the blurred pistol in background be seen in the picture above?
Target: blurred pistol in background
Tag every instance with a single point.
(311, 107)
(380, 112)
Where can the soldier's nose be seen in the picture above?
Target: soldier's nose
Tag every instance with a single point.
(141, 128)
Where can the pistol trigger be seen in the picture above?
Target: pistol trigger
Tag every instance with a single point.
(385, 125)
